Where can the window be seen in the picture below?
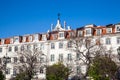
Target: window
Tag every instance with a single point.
(41, 59)
(35, 37)
(14, 72)
(52, 46)
(71, 34)
(8, 60)
(22, 48)
(78, 70)
(61, 34)
(118, 28)
(0, 49)
(15, 59)
(16, 40)
(108, 41)
(22, 59)
(10, 49)
(44, 37)
(8, 71)
(55, 36)
(69, 58)
(118, 40)
(41, 46)
(60, 57)
(41, 70)
(78, 56)
(88, 32)
(52, 57)
(16, 48)
(80, 33)
(69, 44)
(0, 60)
(60, 45)
(28, 47)
(109, 30)
(98, 31)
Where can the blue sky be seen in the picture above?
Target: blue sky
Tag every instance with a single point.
(19, 17)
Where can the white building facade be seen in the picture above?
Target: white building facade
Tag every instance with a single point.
(56, 46)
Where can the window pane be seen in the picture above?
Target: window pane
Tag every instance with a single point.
(52, 57)
(0, 49)
(15, 59)
(60, 57)
(69, 57)
(52, 46)
(60, 45)
(16, 48)
(108, 41)
(10, 49)
(118, 40)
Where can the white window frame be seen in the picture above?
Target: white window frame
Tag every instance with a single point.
(117, 27)
(52, 57)
(1, 50)
(60, 45)
(108, 41)
(16, 48)
(52, 45)
(80, 33)
(61, 34)
(99, 31)
(60, 57)
(69, 57)
(118, 40)
(108, 30)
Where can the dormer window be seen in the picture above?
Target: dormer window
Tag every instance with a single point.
(36, 37)
(54, 36)
(71, 34)
(99, 31)
(2, 41)
(80, 33)
(30, 38)
(109, 30)
(44, 37)
(117, 28)
(16, 39)
(61, 34)
(87, 32)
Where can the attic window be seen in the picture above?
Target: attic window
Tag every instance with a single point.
(80, 33)
(98, 31)
(88, 31)
(54, 36)
(61, 34)
(109, 30)
(16, 40)
(118, 28)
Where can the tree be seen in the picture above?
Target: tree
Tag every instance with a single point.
(86, 49)
(2, 77)
(102, 68)
(57, 72)
(30, 62)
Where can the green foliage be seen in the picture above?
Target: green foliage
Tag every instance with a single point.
(2, 77)
(21, 76)
(57, 72)
(102, 68)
